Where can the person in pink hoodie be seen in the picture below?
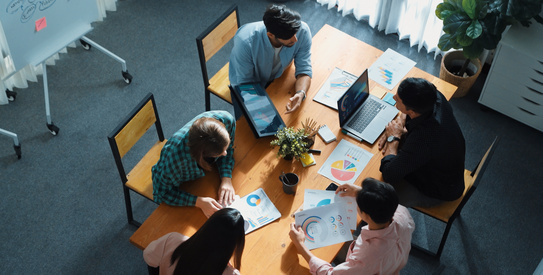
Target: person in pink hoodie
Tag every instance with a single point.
(208, 251)
(383, 244)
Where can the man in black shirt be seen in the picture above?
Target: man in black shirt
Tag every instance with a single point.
(423, 148)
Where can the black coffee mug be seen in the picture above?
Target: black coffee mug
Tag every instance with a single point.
(290, 182)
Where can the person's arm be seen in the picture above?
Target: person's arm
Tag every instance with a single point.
(395, 128)
(316, 265)
(416, 151)
(241, 68)
(225, 164)
(303, 82)
(348, 190)
(226, 191)
(304, 71)
(208, 205)
(297, 236)
(154, 252)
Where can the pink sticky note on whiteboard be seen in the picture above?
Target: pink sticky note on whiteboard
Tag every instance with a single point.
(40, 24)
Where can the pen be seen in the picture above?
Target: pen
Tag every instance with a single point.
(317, 152)
(353, 136)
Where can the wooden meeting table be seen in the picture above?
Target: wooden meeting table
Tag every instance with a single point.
(268, 250)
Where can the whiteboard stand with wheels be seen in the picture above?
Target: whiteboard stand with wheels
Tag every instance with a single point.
(36, 30)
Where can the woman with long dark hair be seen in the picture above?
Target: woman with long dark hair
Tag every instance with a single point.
(208, 251)
(205, 140)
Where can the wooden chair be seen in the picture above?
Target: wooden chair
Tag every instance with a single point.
(449, 211)
(124, 137)
(209, 43)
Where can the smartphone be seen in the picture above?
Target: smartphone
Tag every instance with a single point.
(332, 187)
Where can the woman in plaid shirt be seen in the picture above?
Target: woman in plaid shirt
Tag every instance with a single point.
(206, 139)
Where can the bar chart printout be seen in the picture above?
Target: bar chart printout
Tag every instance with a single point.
(390, 68)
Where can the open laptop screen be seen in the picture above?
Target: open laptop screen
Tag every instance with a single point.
(263, 118)
(353, 98)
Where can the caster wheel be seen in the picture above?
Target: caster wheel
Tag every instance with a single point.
(127, 77)
(85, 45)
(11, 95)
(53, 129)
(17, 150)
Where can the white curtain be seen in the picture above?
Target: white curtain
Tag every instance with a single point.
(30, 73)
(410, 19)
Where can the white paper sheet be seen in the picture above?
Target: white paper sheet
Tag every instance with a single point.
(324, 225)
(335, 86)
(316, 198)
(390, 68)
(345, 163)
(257, 210)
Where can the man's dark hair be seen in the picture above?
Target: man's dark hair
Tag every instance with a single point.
(281, 21)
(418, 94)
(377, 199)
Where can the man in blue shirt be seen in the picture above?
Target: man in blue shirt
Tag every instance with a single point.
(262, 50)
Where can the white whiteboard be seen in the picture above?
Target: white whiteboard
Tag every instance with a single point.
(65, 21)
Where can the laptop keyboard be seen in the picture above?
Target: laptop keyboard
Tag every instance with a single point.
(362, 119)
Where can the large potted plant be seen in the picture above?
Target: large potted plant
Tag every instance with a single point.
(473, 26)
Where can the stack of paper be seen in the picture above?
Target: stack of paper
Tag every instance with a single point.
(327, 218)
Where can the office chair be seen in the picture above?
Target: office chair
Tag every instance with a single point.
(449, 211)
(124, 137)
(209, 43)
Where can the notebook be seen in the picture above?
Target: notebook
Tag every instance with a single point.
(363, 115)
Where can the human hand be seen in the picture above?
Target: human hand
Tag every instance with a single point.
(348, 190)
(226, 191)
(297, 235)
(207, 205)
(294, 103)
(395, 127)
(382, 142)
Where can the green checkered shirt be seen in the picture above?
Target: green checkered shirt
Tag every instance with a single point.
(176, 164)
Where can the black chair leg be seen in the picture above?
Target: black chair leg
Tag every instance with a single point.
(128, 205)
(208, 99)
(444, 238)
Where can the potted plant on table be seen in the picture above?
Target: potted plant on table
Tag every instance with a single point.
(473, 26)
(293, 143)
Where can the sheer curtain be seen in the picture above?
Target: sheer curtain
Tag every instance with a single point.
(410, 19)
(30, 73)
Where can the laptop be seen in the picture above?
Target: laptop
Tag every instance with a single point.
(362, 115)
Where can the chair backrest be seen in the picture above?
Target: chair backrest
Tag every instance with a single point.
(475, 176)
(132, 128)
(479, 170)
(216, 36)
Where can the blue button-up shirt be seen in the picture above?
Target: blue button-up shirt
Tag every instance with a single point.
(251, 59)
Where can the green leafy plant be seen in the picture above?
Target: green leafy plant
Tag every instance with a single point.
(291, 142)
(475, 25)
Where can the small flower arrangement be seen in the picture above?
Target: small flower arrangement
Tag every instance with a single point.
(292, 143)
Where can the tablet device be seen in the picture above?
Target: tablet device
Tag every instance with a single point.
(258, 108)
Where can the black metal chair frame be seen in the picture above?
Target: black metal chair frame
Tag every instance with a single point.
(118, 157)
(202, 54)
(476, 174)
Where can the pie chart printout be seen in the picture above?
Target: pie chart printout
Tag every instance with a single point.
(346, 163)
(343, 170)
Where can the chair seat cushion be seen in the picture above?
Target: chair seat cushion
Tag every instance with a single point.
(218, 84)
(445, 210)
(139, 179)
